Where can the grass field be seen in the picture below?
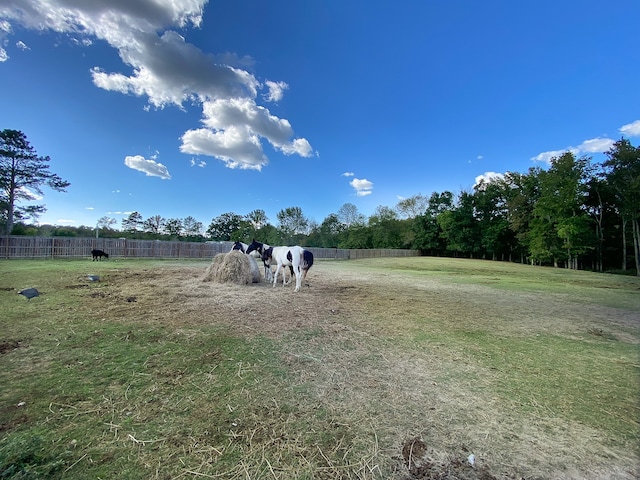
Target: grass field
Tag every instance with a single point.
(378, 369)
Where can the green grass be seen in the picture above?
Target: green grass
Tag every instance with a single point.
(592, 382)
(88, 396)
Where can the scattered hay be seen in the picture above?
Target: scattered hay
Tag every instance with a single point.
(233, 267)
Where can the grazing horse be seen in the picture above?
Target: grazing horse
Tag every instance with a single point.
(297, 258)
(259, 248)
(240, 246)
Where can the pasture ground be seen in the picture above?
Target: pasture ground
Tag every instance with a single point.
(378, 369)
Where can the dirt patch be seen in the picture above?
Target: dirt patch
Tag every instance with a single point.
(346, 340)
(10, 345)
(420, 464)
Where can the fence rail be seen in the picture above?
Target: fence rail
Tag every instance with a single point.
(18, 247)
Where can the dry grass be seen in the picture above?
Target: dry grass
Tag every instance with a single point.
(382, 374)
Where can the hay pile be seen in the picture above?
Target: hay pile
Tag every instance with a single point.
(233, 267)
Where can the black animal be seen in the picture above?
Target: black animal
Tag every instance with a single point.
(98, 254)
(29, 293)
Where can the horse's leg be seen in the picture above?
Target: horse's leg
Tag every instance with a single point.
(275, 275)
(296, 270)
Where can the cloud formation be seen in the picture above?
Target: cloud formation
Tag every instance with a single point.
(594, 145)
(170, 71)
(487, 177)
(363, 187)
(631, 129)
(151, 168)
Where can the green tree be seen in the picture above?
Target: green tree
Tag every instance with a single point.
(154, 224)
(133, 223)
(426, 230)
(173, 227)
(521, 194)
(292, 224)
(23, 173)
(623, 174)
(460, 228)
(104, 223)
(328, 233)
(385, 229)
(192, 228)
(257, 218)
(349, 215)
(561, 228)
(413, 206)
(491, 213)
(224, 226)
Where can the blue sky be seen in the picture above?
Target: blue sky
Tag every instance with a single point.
(202, 108)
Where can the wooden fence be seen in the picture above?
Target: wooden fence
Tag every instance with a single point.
(18, 247)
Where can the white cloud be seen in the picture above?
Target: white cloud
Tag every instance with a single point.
(594, 145)
(64, 221)
(362, 187)
(89, 208)
(170, 71)
(149, 167)
(237, 146)
(199, 163)
(23, 46)
(276, 91)
(5, 30)
(30, 195)
(348, 174)
(546, 157)
(487, 177)
(233, 130)
(631, 129)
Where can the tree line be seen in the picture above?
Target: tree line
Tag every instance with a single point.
(575, 214)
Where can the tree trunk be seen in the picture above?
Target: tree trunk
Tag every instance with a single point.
(624, 244)
(636, 244)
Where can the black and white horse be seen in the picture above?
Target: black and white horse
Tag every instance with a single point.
(259, 248)
(296, 258)
(240, 246)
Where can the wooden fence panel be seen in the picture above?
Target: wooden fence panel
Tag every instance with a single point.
(16, 247)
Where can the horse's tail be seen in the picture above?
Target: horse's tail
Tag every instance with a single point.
(307, 260)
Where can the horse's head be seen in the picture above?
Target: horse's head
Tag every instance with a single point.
(267, 254)
(238, 246)
(255, 246)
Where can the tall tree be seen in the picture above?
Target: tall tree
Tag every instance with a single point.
(427, 232)
(413, 206)
(561, 228)
(385, 228)
(258, 218)
(104, 223)
(224, 226)
(23, 173)
(292, 224)
(349, 215)
(133, 223)
(521, 193)
(329, 232)
(192, 227)
(460, 228)
(623, 174)
(173, 227)
(491, 213)
(154, 224)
